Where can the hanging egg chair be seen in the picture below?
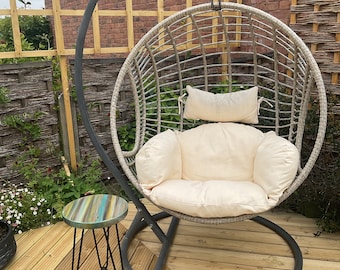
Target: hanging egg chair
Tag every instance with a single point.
(220, 93)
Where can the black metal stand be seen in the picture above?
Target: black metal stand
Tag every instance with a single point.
(285, 236)
(139, 224)
(105, 264)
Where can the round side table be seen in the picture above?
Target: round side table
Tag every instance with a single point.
(99, 211)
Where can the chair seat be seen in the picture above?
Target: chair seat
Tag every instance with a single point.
(212, 198)
(217, 169)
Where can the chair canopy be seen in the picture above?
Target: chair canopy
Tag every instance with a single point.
(227, 49)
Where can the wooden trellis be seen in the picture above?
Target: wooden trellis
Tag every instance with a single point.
(56, 14)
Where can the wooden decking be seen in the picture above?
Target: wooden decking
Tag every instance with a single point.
(244, 245)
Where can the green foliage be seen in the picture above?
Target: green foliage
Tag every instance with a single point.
(35, 35)
(26, 124)
(126, 135)
(23, 208)
(56, 82)
(35, 29)
(319, 195)
(26, 46)
(4, 98)
(56, 186)
(40, 202)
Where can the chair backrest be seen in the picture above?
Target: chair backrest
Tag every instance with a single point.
(229, 49)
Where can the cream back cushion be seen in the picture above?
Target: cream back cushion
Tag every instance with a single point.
(220, 151)
(159, 160)
(275, 165)
(240, 106)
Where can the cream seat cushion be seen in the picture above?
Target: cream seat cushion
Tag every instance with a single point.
(217, 170)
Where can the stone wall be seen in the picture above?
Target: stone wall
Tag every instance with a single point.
(29, 87)
(98, 80)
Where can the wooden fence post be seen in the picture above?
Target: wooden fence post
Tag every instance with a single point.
(65, 81)
(15, 28)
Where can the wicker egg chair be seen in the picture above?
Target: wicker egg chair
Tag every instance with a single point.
(224, 48)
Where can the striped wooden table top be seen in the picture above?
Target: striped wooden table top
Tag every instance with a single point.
(95, 211)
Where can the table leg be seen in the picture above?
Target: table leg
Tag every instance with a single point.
(120, 250)
(108, 247)
(104, 266)
(74, 247)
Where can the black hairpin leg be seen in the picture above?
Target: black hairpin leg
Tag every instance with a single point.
(74, 248)
(102, 265)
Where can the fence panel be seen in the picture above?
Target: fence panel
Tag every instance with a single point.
(318, 24)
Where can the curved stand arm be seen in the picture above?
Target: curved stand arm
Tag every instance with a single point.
(80, 95)
(118, 176)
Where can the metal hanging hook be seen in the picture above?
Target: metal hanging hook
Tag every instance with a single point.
(216, 7)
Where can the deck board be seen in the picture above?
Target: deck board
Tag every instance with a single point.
(244, 246)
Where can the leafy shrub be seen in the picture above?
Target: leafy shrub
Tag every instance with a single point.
(5, 46)
(35, 29)
(319, 196)
(24, 208)
(58, 186)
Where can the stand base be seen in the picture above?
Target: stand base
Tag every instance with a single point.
(139, 225)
